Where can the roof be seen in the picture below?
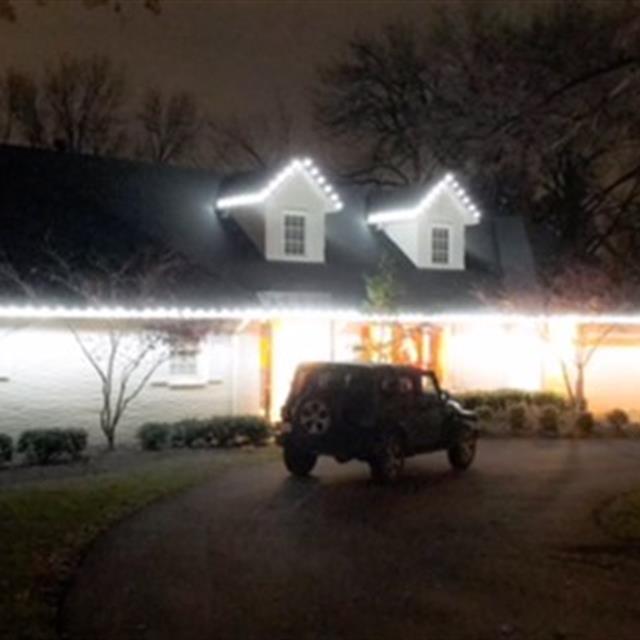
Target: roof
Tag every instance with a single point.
(115, 207)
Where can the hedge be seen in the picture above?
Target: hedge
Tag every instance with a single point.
(218, 431)
(502, 399)
(6, 448)
(42, 445)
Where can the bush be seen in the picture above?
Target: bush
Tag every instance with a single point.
(502, 399)
(6, 448)
(218, 431)
(42, 445)
(549, 420)
(484, 413)
(518, 417)
(618, 419)
(154, 435)
(584, 423)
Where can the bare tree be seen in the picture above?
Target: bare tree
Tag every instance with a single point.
(253, 141)
(169, 126)
(77, 107)
(552, 137)
(9, 13)
(576, 289)
(82, 102)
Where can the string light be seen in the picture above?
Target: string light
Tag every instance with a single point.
(305, 165)
(33, 312)
(410, 213)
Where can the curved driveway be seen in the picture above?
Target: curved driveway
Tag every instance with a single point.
(506, 550)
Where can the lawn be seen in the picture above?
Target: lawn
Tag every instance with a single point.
(621, 517)
(46, 526)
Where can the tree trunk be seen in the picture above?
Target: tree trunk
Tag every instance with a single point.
(579, 397)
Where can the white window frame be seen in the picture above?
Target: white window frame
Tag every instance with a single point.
(301, 215)
(432, 231)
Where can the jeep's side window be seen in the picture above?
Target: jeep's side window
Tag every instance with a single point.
(428, 386)
(405, 385)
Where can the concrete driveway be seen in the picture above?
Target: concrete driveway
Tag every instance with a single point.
(508, 549)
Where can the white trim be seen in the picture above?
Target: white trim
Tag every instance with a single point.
(258, 197)
(30, 312)
(447, 182)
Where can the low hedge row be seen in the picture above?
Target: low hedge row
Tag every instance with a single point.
(218, 431)
(40, 446)
(6, 448)
(502, 399)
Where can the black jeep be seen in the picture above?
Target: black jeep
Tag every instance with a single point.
(376, 413)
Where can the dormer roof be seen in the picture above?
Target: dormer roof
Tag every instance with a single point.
(390, 213)
(255, 195)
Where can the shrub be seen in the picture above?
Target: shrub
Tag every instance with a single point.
(618, 419)
(549, 420)
(154, 435)
(217, 431)
(6, 448)
(518, 417)
(502, 399)
(42, 445)
(584, 423)
(484, 413)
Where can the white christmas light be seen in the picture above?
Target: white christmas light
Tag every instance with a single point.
(259, 196)
(33, 312)
(410, 213)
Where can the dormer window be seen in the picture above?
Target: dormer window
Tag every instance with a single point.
(440, 245)
(285, 217)
(294, 234)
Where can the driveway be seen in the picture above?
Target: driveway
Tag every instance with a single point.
(508, 549)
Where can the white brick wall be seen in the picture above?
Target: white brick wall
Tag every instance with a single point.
(45, 381)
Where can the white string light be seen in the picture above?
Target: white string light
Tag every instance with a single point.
(305, 165)
(32, 312)
(410, 213)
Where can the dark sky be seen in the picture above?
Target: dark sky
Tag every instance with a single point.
(236, 55)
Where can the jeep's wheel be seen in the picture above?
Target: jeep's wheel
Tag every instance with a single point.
(462, 453)
(388, 460)
(299, 462)
(314, 416)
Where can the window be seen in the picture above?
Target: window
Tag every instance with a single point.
(428, 385)
(184, 359)
(294, 234)
(440, 245)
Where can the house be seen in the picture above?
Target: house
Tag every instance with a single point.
(278, 267)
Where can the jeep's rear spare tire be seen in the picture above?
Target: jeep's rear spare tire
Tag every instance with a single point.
(298, 461)
(462, 453)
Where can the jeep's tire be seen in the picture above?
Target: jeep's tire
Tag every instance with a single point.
(387, 461)
(463, 452)
(299, 462)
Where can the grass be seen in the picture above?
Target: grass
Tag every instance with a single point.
(46, 527)
(621, 517)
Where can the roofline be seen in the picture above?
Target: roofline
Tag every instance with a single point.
(42, 312)
(306, 165)
(448, 181)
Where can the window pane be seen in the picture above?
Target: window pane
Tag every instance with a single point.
(440, 245)
(294, 234)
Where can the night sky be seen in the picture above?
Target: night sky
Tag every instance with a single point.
(236, 56)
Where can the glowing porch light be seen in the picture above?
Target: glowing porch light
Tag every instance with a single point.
(258, 197)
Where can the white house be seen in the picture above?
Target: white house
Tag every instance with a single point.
(280, 263)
